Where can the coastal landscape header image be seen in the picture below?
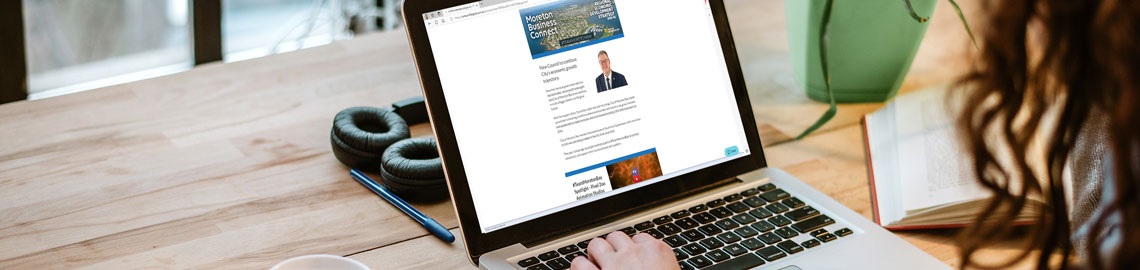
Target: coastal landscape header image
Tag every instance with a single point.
(567, 24)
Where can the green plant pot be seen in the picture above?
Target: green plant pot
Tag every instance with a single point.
(871, 45)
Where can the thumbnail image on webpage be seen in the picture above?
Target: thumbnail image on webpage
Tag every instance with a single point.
(564, 25)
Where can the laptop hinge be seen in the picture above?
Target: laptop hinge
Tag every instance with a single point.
(617, 216)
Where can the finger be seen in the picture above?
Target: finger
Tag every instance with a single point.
(619, 240)
(581, 263)
(599, 249)
(648, 241)
(643, 238)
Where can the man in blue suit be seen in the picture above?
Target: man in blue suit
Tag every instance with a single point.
(609, 79)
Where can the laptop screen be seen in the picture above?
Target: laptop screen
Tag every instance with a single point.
(558, 103)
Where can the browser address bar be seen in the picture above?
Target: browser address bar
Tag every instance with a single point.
(492, 9)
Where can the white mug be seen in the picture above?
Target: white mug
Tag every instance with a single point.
(320, 262)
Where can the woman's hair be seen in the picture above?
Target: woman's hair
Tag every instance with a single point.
(1044, 67)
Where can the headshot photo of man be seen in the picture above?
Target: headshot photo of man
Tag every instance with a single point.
(609, 79)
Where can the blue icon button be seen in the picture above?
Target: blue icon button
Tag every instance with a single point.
(731, 151)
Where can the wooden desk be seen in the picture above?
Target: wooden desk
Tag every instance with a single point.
(228, 166)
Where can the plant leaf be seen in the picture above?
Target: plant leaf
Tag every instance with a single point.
(824, 27)
(964, 23)
(913, 14)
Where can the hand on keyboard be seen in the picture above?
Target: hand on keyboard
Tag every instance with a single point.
(618, 251)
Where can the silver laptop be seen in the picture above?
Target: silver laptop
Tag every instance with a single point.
(559, 121)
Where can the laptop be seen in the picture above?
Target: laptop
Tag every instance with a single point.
(559, 121)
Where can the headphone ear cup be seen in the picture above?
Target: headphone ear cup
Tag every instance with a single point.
(418, 193)
(360, 135)
(412, 168)
(354, 158)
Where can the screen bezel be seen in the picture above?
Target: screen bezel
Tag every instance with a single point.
(477, 242)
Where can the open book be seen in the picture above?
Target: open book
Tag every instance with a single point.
(920, 175)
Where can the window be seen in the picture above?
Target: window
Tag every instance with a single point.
(75, 45)
(255, 28)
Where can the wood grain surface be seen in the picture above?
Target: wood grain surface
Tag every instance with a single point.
(228, 166)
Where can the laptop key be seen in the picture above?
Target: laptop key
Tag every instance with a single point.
(687, 223)
(686, 266)
(766, 187)
(570, 257)
(584, 243)
(749, 192)
(698, 208)
(694, 249)
(643, 226)
(735, 249)
(630, 231)
(712, 243)
(843, 232)
(528, 262)
(776, 208)
(669, 229)
(726, 224)
(710, 229)
(699, 261)
(810, 243)
(738, 207)
(728, 237)
(680, 214)
(780, 221)
(743, 262)
(760, 213)
(538, 267)
(770, 238)
(818, 232)
(548, 255)
(775, 195)
(793, 202)
(814, 223)
(752, 243)
(746, 232)
(558, 264)
(754, 202)
(763, 226)
(790, 247)
(786, 232)
(732, 197)
(717, 255)
(680, 254)
(692, 235)
(662, 220)
(826, 237)
(743, 219)
(653, 232)
(568, 249)
(675, 241)
(704, 217)
(771, 253)
(715, 203)
(801, 213)
(721, 212)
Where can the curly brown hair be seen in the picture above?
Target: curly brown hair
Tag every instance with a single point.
(1044, 67)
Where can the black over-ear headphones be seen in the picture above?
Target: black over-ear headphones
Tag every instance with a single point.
(378, 140)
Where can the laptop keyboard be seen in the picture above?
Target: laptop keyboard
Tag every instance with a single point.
(738, 231)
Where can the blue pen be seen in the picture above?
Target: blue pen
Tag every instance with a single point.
(430, 224)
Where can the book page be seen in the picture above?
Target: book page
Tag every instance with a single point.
(880, 134)
(933, 166)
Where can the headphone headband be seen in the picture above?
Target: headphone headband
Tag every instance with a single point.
(413, 110)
